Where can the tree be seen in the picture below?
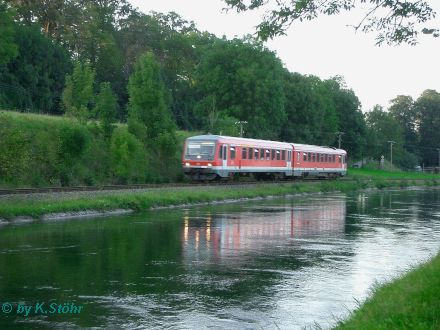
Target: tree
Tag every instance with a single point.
(245, 79)
(311, 115)
(382, 129)
(349, 116)
(427, 107)
(34, 79)
(78, 94)
(8, 47)
(106, 108)
(403, 110)
(148, 101)
(395, 21)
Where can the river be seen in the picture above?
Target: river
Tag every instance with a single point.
(282, 263)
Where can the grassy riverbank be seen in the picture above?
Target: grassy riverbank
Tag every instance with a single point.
(410, 302)
(37, 207)
(365, 173)
(155, 198)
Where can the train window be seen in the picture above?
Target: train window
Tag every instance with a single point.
(339, 158)
(256, 153)
(273, 154)
(283, 154)
(309, 157)
(251, 153)
(220, 151)
(262, 154)
(299, 156)
(322, 158)
(232, 153)
(267, 154)
(289, 156)
(278, 155)
(243, 153)
(326, 158)
(305, 157)
(313, 157)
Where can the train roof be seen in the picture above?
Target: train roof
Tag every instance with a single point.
(239, 140)
(268, 143)
(312, 148)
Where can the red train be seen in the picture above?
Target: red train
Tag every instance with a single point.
(209, 157)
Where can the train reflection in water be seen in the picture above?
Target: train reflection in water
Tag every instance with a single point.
(260, 227)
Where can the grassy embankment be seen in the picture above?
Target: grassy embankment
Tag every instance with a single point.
(168, 196)
(410, 302)
(42, 150)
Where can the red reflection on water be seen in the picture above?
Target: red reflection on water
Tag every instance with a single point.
(230, 234)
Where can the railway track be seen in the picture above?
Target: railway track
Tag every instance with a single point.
(29, 191)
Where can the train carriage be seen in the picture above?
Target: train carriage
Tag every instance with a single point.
(207, 157)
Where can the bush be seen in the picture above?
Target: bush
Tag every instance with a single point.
(128, 159)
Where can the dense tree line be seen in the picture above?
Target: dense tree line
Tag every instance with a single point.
(104, 60)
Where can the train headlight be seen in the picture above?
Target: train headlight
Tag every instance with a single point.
(187, 164)
(209, 164)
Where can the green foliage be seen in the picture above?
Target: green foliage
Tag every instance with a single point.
(245, 79)
(383, 128)
(395, 21)
(311, 112)
(78, 94)
(14, 156)
(8, 47)
(74, 142)
(402, 109)
(147, 103)
(34, 79)
(349, 116)
(428, 112)
(106, 108)
(38, 150)
(128, 158)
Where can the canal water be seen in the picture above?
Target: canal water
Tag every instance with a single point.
(266, 264)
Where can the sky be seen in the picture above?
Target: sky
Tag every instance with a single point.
(326, 47)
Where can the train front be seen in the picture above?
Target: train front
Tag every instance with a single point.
(199, 158)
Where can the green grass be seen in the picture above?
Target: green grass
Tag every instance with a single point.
(164, 197)
(410, 302)
(383, 174)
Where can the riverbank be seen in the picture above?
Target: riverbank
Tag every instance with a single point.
(98, 204)
(409, 302)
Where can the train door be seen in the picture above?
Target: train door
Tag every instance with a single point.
(289, 171)
(225, 156)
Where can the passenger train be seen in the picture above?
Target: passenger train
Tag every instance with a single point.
(210, 157)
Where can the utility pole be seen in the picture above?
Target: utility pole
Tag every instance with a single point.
(241, 123)
(339, 138)
(391, 147)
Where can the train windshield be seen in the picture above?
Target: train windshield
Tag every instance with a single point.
(202, 150)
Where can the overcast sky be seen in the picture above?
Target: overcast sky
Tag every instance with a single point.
(326, 47)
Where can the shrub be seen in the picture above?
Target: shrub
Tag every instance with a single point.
(128, 157)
